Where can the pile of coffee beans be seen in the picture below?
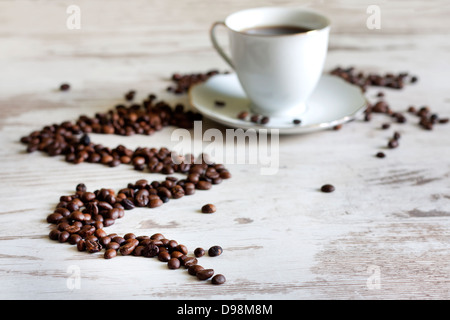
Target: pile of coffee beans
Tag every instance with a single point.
(427, 118)
(80, 218)
(71, 140)
(364, 80)
(183, 82)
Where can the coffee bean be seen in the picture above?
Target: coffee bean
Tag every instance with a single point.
(164, 256)
(215, 251)
(64, 87)
(194, 269)
(265, 120)
(151, 250)
(205, 274)
(243, 115)
(327, 188)
(92, 246)
(181, 248)
(63, 236)
(380, 155)
(255, 118)
(199, 252)
(110, 253)
(173, 263)
(189, 261)
(203, 185)
(296, 121)
(218, 279)
(219, 103)
(209, 208)
(393, 143)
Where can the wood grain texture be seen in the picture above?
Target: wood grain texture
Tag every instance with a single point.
(282, 238)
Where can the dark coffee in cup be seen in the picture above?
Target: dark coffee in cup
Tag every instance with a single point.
(275, 30)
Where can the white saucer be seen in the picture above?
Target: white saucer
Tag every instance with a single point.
(333, 102)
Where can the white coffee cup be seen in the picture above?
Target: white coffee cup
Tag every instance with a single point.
(277, 72)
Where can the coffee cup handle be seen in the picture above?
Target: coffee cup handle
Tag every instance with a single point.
(212, 33)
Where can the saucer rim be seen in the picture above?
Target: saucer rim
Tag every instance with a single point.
(298, 129)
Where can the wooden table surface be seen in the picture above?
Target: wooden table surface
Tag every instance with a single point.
(383, 234)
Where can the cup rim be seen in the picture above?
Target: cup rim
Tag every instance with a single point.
(327, 21)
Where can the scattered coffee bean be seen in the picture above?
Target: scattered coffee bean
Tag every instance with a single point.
(199, 252)
(64, 87)
(219, 103)
(265, 120)
(296, 121)
(243, 115)
(209, 208)
(327, 188)
(255, 118)
(380, 155)
(218, 279)
(205, 274)
(215, 251)
(393, 143)
(130, 95)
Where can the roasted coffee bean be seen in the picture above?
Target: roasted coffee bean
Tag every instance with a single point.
(64, 87)
(155, 202)
(385, 126)
(63, 236)
(142, 198)
(85, 140)
(164, 256)
(243, 115)
(127, 204)
(296, 121)
(74, 238)
(215, 251)
(176, 254)
(393, 143)
(181, 248)
(199, 252)
(327, 188)
(173, 263)
(177, 192)
(130, 95)
(380, 155)
(92, 246)
(81, 187)
(209, 208)
(205, 274)
(54, 234)
(255, 118)
(54, 218)
(265, 120)
(189, 261)
(218, 279)
(113, 245)
(204, 185)
(219, 103)
(110, 253)
(81, 245)
(151, 250)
